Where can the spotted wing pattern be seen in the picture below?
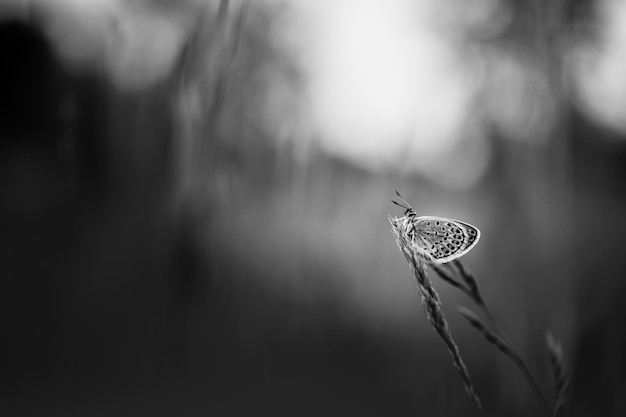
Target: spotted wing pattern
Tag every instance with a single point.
(443, 239)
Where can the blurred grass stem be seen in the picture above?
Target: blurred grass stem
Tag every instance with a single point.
(492, 331)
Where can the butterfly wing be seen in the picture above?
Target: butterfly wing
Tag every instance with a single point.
(443, 239)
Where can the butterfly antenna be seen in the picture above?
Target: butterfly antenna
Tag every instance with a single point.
(403, 200)
(398, 204)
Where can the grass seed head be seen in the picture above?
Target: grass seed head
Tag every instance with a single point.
(430, 299)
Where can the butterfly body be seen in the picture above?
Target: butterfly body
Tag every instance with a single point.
(439, 239)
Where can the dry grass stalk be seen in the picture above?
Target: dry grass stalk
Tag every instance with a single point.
(430, 300)
(470, 281)
(447, 276)
(561, 374)
(504, 346)
(469, 285)
(482, 327)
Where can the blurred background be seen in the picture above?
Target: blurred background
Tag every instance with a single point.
(194, 200)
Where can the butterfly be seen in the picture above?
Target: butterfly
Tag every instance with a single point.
(439, 239)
